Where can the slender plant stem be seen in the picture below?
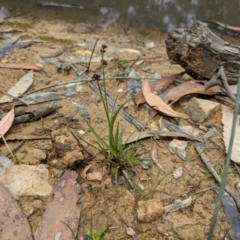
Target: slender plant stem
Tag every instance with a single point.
(227, 163)
(88, 67)
(4, 140)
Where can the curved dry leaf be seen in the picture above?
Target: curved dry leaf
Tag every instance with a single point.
(155, 157)
(158, 87)
(186, 88)
(157, 103)
(19, 88)
(6, 122)
(229, 27)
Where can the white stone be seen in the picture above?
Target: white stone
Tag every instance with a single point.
(25, 180)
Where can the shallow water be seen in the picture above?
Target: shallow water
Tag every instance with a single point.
(162, 15)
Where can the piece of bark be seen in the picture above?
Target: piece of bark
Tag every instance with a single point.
(13, 223)
(61, 217)
(200, 52)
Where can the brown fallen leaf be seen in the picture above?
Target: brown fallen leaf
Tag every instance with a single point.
(20, 87)
(186, 88)
(27, 66)
(60, 219)
(157, 88)
(155, 157)
(158, 104)
(232, 28)
(14, 225)
(6, 122)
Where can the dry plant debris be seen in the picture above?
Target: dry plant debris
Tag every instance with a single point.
(164, 178)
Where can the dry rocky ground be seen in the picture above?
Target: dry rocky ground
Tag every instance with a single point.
(98, 200)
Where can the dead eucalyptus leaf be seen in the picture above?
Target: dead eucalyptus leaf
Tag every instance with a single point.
(157, 103)
(6, 122)
(229, 27)
(155, 157)
(186, 88)
(157, 88)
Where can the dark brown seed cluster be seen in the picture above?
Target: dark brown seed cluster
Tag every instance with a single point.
(103, 49)
(96, 77)
(104, 63)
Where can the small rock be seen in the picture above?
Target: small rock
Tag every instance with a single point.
(162, 229)
(199, 110)
(39, 65)
(5, 164)
(179, 147)
(150, 45)
(81, 132)
(95, 176)
(4, 61)
(237, 185)
(37, 204)
(25, 180)
(149, 210)
(177, 173)
(139, 62)
(71, 157)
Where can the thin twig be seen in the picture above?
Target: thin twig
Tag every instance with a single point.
(4, 140)
(79, 79)
(16, 98)
(89, 63)
(200, 149)
(134, 62)
(79, 143)
(124, 221)
(221, 73)
(17, 147)
(237, 168)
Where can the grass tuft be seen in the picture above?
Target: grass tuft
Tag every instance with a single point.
(117, 153)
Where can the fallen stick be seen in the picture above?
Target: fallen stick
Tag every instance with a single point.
(200, 149)
(199, 51)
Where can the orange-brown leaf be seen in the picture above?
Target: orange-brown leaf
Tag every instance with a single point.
(187, 88)
(236, 29)
(6, 122)
(157, 88)
(157, 103)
